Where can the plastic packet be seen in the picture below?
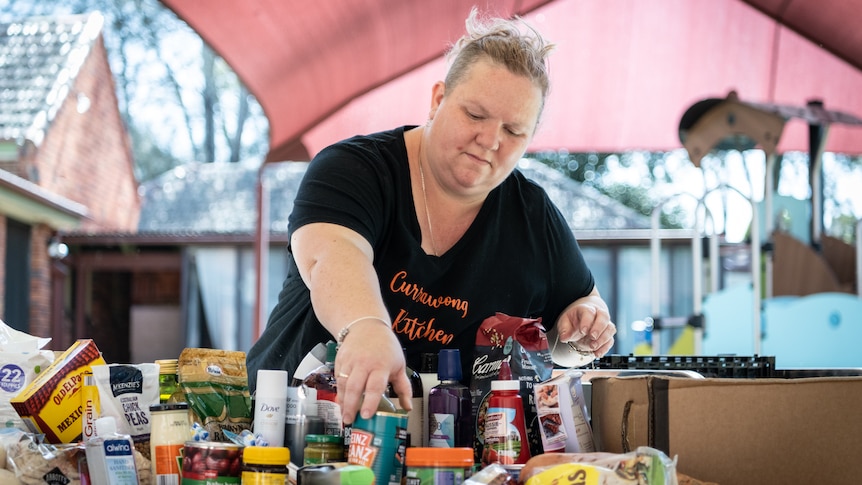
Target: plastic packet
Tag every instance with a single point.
(20, 361)
(215, 383)
(644, 466)
(37, 463)
(523, 343)
(126, 392)
(493, 474)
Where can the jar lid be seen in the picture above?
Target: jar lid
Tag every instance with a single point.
(169, 406)
(323, 438)
(451, 457)
(266, 455)
(167, 366)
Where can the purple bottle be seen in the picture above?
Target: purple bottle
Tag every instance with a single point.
(450, 424)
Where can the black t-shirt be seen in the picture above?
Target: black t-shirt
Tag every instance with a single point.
(519, 257)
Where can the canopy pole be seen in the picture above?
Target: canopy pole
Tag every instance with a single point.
(261, 253)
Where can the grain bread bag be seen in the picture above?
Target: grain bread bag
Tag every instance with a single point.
(522, 341)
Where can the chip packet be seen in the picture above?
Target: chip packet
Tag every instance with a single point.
(523, 342)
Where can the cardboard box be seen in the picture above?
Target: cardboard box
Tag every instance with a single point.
(737, 431)
(52, 403)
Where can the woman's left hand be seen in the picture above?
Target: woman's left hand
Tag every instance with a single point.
(587, 321)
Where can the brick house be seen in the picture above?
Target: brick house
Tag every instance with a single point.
(65, 160)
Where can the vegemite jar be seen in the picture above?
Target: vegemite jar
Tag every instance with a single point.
(265, 465)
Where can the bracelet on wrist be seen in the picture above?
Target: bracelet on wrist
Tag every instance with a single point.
(344, 331)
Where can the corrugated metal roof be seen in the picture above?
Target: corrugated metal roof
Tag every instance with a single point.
(220, 198)
(217, 198)
(39, 60)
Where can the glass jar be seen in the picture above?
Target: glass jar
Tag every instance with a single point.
(169, 388)
(265, 465)
(167, 379)
(323, 448)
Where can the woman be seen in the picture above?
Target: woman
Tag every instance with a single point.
(410, 238)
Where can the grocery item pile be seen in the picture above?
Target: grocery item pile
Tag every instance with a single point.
(72, 417)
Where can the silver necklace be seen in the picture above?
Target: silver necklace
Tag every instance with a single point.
(425, 199)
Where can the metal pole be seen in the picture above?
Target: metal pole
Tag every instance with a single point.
(261, 253)
(769, 223)
(655, 265)
(859, 257)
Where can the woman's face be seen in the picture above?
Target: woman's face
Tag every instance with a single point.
(481, 127)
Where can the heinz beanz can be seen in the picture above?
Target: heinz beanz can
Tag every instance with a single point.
(379, 444)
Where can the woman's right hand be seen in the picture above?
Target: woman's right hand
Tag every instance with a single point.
(336, 264)
(368, 359)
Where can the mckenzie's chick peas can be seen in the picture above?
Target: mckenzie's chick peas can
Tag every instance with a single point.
(379, 443)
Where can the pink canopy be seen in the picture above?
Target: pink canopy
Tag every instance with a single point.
(623, 74)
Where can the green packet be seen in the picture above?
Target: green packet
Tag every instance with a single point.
(215, 383)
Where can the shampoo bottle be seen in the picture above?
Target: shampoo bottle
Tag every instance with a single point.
(428, 376)
(110, 455)
(449, 405)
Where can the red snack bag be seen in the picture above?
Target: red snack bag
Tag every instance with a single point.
(523, 342)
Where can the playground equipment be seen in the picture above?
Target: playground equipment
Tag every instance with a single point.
(728, 123)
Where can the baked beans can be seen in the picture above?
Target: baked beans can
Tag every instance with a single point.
(209, 462)
(379, 443)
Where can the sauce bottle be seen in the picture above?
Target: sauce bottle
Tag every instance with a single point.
(323, 380)
(506, 440)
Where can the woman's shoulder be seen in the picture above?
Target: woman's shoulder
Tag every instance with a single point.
(388, 142)
(525, 187)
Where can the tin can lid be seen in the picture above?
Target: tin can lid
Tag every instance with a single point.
(266, 455)
(449, 457)
(382, 423)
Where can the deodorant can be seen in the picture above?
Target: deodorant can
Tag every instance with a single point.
(270, 403)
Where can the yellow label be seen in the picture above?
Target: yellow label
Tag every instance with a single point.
(263, 478)
(90, 401)
(567, 474)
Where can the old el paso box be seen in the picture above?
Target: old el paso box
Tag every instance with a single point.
(52, 403)
(737, 431)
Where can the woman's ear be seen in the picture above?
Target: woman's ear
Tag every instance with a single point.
(437, 93)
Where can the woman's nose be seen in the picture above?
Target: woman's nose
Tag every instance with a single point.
(489, 137)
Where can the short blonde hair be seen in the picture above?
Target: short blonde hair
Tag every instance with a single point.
(503, 42)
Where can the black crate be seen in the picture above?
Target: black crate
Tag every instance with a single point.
(731, 366)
